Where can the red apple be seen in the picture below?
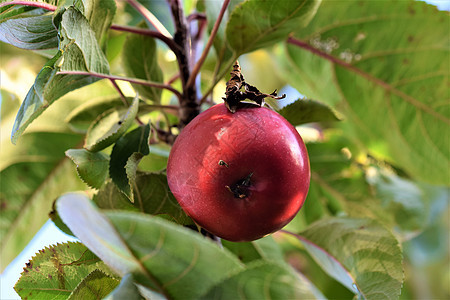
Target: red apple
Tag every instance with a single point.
(239, 176)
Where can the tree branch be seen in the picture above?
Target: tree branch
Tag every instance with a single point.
(200, 62)
(142, 31)
(131, 80)
(150, 17)
(29, 3)
(124, 98)
(189, 108)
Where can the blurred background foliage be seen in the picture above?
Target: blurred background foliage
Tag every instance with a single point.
(347, 179)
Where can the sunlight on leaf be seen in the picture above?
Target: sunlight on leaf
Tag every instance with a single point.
(260, 23)
(307, 111)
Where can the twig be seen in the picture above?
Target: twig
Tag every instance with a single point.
(131, 80)
(142, 31)
(196, 16)
(165, 136)
(201, 26)
(173, 108)
(173, 78)
(124, 98)
(29, 3)
(150, 17)
(122, 95)
(182, 39)
(200, 62)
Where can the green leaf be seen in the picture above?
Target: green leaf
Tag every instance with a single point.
(140, 61)
(126, 290)
(33, 174)
(81, 49)
(96, 285)
(152, 196)
(261, 23)
(212, 9)
(408, 202)
(264, 280)
(110, 126)
(100, 15)
(56, 271)
(162, 256)
(9, 104)
(81, 117)
(109, 197)
(41, 95)
(77, 52)
(391, 88)
(28, 28)
(56, 219)
(307, 111)
(359, 253)
(91, 167)
(265, 248)
(125, 156)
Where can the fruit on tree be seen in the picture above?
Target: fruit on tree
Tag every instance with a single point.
(239, 176)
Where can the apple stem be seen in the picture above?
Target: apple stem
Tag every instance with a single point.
(238, 90)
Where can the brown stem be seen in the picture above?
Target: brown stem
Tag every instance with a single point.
(189, 108)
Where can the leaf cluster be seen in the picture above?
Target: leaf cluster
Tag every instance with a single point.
(117, 81)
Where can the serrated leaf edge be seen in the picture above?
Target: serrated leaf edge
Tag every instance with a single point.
(83, 280)
(133, 106)
(78, 172)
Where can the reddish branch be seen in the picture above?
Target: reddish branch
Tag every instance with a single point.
(383, 84)
(131, 80)
(142, 31)
(29, 3)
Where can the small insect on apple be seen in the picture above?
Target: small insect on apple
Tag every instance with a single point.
(239, 175)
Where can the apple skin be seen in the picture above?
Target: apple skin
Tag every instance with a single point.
(219, 150)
